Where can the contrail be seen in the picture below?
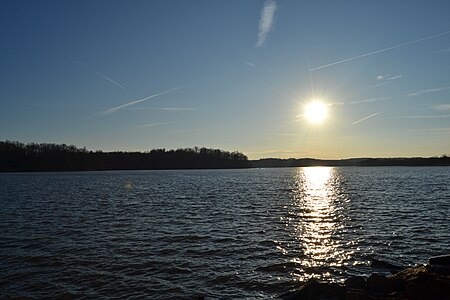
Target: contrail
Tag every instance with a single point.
(100, 74)
(442, 107)
(165, 108)
(185, 130)
(116, 108)
(381, 50)
(428, 91)
(370, 100)
(427, 117)
(266, 21)
(156, 124)
(363, 119)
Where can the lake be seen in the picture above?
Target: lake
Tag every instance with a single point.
(252, 233)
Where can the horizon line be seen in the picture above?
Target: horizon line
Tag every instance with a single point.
(444, 155)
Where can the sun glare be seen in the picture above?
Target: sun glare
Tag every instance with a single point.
(315, 112)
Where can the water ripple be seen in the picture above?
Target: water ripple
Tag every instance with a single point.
(218, 233)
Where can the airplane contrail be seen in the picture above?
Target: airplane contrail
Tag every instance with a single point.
(156, 124)
(365, 118)
(380, 50)
(116, 108)
(99, 74)
(428, 91)
(266, 21)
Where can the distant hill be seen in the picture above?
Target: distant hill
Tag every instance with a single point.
(18, 157)
(362, 162)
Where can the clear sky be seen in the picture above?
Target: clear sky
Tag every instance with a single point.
(235, 75)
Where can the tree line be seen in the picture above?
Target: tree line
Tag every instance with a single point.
(443, 160)
(33, 157)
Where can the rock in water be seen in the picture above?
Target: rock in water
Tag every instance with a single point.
(377, 284)
(417, 283)
(355, 282)
(314, 289)
(441, 260)
(422, 283)
(379, 264)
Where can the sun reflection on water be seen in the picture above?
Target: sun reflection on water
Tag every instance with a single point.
(318, 207)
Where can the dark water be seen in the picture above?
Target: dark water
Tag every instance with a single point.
(223, 233)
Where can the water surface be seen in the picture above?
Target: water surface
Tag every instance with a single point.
(221, 233)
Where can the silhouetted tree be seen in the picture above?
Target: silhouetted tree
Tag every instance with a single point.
(16, 157)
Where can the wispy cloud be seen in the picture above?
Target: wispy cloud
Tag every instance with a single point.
(380, 50)
(171, 90)
(164, 108)
(272, 151)
(266, 21)
(442, 106)
(421, 92)
(376, 85)
(365, 118)
(117, 108)
(99, 74)
(156, 124)
(389, 77)
(427, 117)
(250, 64)
(185, 130)
(395, 77)
(439, 130)
(44, 105)
(337, 103)
(370, 100)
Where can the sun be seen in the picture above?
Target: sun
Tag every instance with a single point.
(316, 112)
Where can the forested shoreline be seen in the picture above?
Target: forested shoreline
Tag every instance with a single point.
(443, 160)
(33, 157)
(45, 157)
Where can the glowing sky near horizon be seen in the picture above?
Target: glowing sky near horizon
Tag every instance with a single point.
(235, 75)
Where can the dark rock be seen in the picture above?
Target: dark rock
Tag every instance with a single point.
(365, 295)
(395, 285)
(377, 284)
(355, 282)
(445, 270)
(358, 295)
(423, 283)
(382, 265)
(315, 290)
(441, 260)
(417, 283)
(396, 296)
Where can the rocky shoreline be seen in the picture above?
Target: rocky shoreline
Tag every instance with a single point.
(422, 282)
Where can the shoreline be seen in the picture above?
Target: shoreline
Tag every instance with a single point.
(421, 282)
(218, 169)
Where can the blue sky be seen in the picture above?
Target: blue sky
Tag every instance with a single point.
(235, 75)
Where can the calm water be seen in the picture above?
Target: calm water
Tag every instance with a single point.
(223, 233)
